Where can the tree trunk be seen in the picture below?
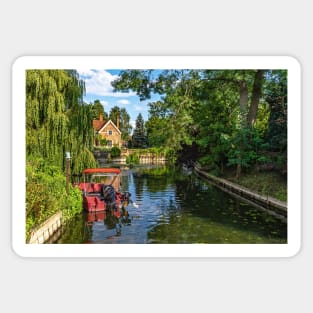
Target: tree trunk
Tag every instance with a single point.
(238, 171)
(243, 100)
(256, 95)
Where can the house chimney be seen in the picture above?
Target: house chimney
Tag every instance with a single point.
(101, 117)
(118, 122)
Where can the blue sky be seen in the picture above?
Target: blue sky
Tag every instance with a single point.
(98, 87)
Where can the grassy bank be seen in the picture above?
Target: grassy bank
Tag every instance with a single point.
(266, 183)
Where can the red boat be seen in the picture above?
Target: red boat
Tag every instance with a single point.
(101, 190)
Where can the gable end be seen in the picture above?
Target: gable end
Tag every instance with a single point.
(106, 124)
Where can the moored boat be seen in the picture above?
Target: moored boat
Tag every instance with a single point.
(101, 190)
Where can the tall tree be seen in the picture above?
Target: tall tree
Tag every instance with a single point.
(249, 87)
(255, 98)
(139, 139)
(114, 115)
(125, 126)
(214, 109)
(157, 131)
(176, 85)
(56, 118)
(121, 118)
(276, 96)
(98, 109)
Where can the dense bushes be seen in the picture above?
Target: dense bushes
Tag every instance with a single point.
(115, 152)
(46, 194)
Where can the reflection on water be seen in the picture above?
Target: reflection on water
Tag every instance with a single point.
(172, 206)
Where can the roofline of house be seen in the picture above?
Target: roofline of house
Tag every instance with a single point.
(107, 124)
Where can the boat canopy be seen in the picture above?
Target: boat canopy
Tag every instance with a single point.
(102, 170)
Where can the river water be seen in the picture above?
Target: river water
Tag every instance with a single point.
(175, 206)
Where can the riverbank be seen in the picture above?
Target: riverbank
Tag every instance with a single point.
(266, 201)
(47, 230)
(267, 183)
(46, 195)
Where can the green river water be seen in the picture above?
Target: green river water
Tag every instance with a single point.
(175, 206)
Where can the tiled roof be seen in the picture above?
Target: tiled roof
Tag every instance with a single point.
(97, 124)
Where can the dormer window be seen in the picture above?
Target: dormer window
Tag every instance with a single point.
(110, 132)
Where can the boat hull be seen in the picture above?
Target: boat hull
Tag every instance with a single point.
(93, 204)
(102, 196)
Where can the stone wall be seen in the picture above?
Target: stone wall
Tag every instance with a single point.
(103, 157)
(43, 233)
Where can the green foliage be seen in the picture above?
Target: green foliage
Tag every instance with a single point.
(125, 126)
(157, 133)
(84, 159)
(97, 109)
(103, 141)
(46, 194)
(261, 124)
(123, 118)
(139, 139)
(73, 204)
(138, 80)
(170, 154)
(247, 148)
(56, 118)
(132, 159)
(276, 96)
(102, 149)
(233, 117)
(114, 114)
(115, 152)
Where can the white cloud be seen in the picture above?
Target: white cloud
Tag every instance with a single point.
(123, 101)
(98, 82)
(139, 107)
(104, 103)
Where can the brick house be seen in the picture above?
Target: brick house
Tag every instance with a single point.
(106, 129)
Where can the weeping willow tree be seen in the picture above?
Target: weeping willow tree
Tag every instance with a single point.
(56, 118)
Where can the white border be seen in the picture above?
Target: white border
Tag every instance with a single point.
(158, 250)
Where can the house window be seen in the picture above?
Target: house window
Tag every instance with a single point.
(110, 143)
(110, 132)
